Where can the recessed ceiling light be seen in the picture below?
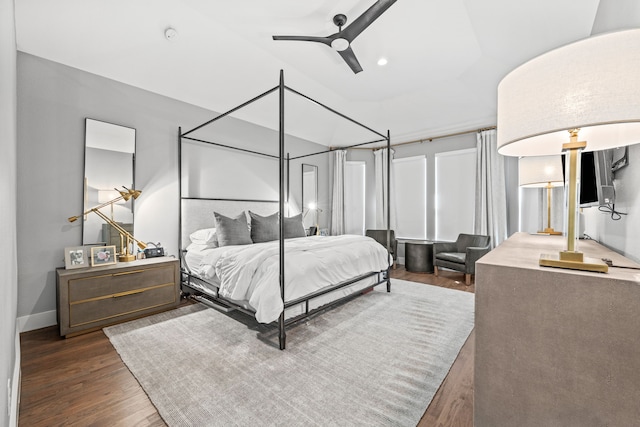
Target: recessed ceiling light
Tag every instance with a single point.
(170, 34)
(382, 61)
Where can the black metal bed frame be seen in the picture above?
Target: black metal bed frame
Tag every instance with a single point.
(187, 277)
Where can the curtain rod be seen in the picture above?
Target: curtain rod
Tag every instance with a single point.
(430, 139)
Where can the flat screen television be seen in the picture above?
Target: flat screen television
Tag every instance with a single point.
(596, 179)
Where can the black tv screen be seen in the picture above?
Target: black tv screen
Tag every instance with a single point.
(596, 186)
(588, 180)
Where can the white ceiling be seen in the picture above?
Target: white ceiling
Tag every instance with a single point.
(446, 57)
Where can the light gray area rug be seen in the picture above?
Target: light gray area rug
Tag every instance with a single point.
(376, 360)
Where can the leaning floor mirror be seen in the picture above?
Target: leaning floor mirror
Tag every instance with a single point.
(310, 196)
(109, 164)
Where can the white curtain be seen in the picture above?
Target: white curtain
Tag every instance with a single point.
(491, 194)
(380, 170)
(337, 199)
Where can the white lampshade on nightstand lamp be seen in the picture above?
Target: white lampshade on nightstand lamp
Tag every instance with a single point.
(584, 96)
(542, 172)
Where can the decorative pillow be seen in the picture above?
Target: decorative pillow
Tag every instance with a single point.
(293, 227)
(264, 228)
(232, 231)
(205, 236)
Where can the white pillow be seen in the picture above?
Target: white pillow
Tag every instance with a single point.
(205, 236)
(195, 247)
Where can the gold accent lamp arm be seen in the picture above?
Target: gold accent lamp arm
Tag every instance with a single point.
(124, 195)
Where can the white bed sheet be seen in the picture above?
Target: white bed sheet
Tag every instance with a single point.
(251, 272)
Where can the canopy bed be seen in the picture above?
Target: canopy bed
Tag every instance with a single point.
(251, 261)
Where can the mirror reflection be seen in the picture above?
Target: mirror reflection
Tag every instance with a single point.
(109, 164)
(310, 195)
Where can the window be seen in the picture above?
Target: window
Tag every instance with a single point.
(455, 196)
(354, 195)
(410, 193)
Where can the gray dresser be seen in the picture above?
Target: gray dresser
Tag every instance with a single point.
(555, 347)
(91, 298)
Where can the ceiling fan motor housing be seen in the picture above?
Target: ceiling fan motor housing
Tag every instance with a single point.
(340, 19)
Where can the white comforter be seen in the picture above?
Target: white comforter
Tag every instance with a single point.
(251, 272)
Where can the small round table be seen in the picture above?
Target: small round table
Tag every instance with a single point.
(418, 256)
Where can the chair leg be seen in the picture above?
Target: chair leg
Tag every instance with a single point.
(435, 270)
(467, 279)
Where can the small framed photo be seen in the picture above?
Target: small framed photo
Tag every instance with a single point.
(103, 255)
(324, 232)
(75, 257)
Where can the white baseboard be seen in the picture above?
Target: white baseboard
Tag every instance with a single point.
(15, 385)
(37, 321)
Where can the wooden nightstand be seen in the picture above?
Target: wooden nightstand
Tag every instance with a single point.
(91, 298)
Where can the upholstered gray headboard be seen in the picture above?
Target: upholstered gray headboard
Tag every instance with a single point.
(198, 213)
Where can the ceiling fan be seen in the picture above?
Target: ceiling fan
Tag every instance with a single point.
(341, 41)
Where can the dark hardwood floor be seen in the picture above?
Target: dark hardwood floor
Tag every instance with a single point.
(82, 381)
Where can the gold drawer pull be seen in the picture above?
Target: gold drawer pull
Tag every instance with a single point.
(124, 294)
(128, 272)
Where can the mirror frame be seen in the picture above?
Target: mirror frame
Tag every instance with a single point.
(84, 180)
(307, 168)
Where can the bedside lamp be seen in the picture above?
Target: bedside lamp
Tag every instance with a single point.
(125, 237)
(542, 171)
(584, 96)
(313, 207)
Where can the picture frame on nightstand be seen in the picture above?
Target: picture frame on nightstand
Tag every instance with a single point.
(103, 255)
(75, 257)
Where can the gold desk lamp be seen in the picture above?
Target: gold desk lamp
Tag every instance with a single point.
(125, 237)
(589, 88)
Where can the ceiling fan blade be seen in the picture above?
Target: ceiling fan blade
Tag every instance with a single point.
(351, 60)
(323, 40)
(363, 21)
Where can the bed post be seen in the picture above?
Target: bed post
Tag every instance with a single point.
(282, 334)
(180, 197)
(288, 189)
(389, 209)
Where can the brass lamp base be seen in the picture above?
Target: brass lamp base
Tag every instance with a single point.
(551, 232)
(573, 261)
(126, 258)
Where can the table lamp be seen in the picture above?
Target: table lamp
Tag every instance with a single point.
(582, 96)
(542, 172)
(313, 207)
(125, 237)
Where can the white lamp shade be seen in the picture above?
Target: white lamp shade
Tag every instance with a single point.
(540, 171)
(593, 85)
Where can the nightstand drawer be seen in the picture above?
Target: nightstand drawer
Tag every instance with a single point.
(122, 281)
(119, 304)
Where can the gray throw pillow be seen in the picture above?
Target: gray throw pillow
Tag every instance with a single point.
(264, 228)
(293, 227)
(232, 231)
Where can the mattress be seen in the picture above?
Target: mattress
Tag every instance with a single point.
(250, 273)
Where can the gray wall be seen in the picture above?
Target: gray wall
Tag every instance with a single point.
(53, 101)
(9, 353)
(622, 235)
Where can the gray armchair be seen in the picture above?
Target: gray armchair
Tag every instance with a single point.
(462, 254)
(380, 236)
